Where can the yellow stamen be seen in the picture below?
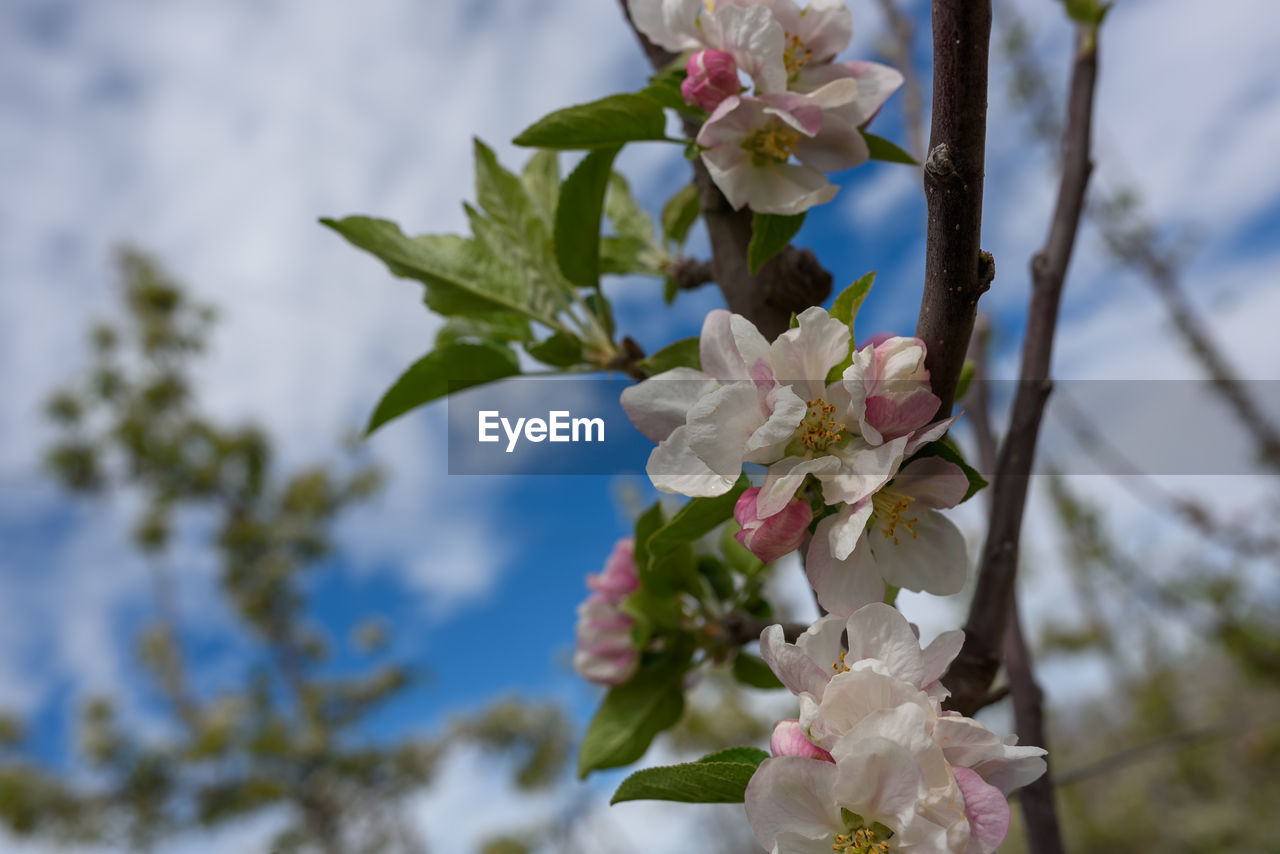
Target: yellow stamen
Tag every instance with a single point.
(889, 507)
(819, 430)
(776, 143)
(795, 55)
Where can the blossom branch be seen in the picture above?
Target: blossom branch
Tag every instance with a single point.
(1037, 799)
(742, 628)
(979, 660)
(788, 283)
(956, 271)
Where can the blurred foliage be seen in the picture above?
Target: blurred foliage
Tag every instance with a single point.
(293, 736)
(1179, 754)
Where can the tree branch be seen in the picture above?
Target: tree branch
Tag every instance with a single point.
(956, 271)
(742, 628)
(788, 283)
(976, 666)
(1037, 799)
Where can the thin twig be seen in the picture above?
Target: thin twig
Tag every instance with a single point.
(1139, 752)
(957, 272)
(1037, 799)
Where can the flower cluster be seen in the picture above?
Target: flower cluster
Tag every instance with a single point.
(605, 653)
(873, 764)
(771, 149)
(809, 405)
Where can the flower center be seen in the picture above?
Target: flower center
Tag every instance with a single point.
(795, 55)
(887, 513)
(819, 430)
(839, 666)
(864, 840)
(776, 143)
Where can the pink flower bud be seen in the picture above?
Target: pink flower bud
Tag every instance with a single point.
(898, 399)
(788, 739)
(771, 537)
(605, 653)
(619, 577)
(713, 76)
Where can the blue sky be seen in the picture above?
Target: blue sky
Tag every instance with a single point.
(215, 133)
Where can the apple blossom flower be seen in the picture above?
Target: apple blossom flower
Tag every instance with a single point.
(895, 536)
(770, 537)
(1001, 762)
(874, 797)
(605, 652)
(876, 636)
(712, 77)
(747, 31)
(770, 152)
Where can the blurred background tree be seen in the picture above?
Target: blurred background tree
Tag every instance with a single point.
(291, 736)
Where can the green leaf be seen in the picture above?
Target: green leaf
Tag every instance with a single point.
(769, 234)
(883, 149)
(752, 670)
(646, 523)
(694, 520)
(622, 256)
(944, 449)
(578, 213)
(599, 306)
(625, 214)
(850, 300)
(684, 353)
(741, 755)
(664, 86)
(710, 780)
(498, 326)
(1089, 12)
(737, 556)
(605, 123)
(718, 576)
(561, 350)
(680, 213)
(846, 308)
(500, 193)
(443, 370)
(631, 715)
(967, 370)
(541, 180)
(461, 277)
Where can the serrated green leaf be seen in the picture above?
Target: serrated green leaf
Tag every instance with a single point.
(752, 670)
(623, 256)
(710, 780)
(443, 370)
(694, 520)
(883, 149)
(607, 122)
(541, 180)
(944, 449)
(577, 232)
(770, 233)
(740, 755)
(625, 214)
(496, 326)
(461, 277)
(685, 353)
(631, 715)
(561, 350)
(499, 192)
(680, 213)
(846, 308)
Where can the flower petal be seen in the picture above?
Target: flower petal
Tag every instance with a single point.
(674, 467)
(879, 631)
(986, 808)
(932, 559)
(791, 794)
(801, 357)
(754, 38)
(798, 671)
(933, 481)
(659, 405)
(842, 586)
